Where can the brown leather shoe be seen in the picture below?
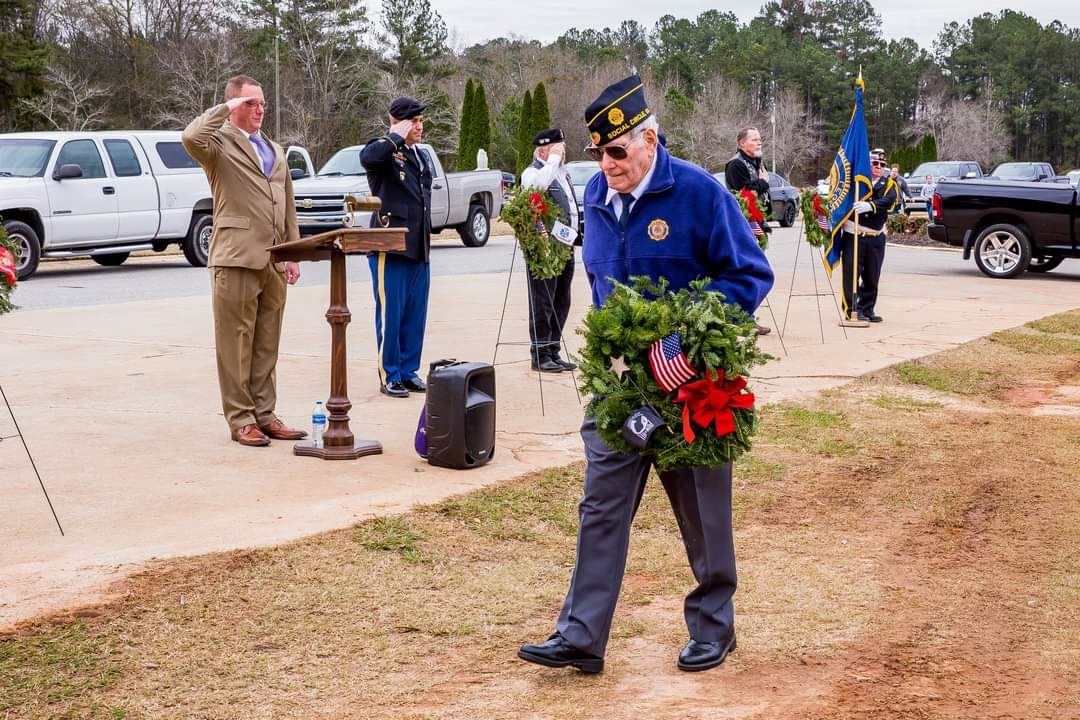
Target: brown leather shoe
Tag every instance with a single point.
(280, 431)
(251, 436)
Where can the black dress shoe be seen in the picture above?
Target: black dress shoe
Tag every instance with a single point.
(394, 389)
(548, 365)
(557, 652)
(567, 365)
(415, 385)
(697, 656)
(874, 318)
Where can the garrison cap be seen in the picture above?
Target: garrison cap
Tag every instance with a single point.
(877, 154)
(406, 108)
(619, 109)
(547, 137)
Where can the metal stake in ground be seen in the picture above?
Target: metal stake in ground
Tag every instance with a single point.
(18, 432)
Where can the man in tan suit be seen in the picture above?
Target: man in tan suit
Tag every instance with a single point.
(253, 210)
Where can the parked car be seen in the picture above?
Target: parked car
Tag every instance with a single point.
(1030, 171)
(464, 201)
(1009, 226)
(783, 197)
(940, 170)
(104, 195)
(509, 182)
(580, 173)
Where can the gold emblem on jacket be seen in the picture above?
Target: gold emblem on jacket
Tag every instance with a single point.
(658, 229)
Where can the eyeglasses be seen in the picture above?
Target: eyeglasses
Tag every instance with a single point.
(615, 152)
(257, 103)
(878, 163)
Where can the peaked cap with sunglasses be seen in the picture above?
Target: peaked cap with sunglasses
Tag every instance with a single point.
(618, 110)
(877, 157)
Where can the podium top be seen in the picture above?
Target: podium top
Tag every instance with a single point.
(346, 240)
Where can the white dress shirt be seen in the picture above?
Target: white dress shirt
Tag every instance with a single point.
(552, 171)
(615, 201)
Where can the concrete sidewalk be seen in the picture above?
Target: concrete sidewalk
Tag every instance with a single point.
(119, 405)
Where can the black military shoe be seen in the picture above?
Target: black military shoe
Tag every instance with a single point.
(415, 385)
(547, 365)
(697, 656)
(565, 363)
(557, 652)
(874, 318)
(394, 389)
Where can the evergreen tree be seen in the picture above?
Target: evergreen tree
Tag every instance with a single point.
(525, 134)
(466, 153)
(415, 35)
(929, 148)
(541, 116)
(22, 58)
(481, 122)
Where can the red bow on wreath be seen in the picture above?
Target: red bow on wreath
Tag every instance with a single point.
(538, 205)
(7, 266)
(707, 401)
(820, 216)
(751, 205)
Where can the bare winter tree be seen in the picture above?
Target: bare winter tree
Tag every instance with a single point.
(69, 102)
(196, 70)
(799, 134)
(973, 131)
(706, 133)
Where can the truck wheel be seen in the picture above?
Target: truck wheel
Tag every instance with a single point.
(788, 218)
(28, 246)
(1045, 263)
(111, 259)
(476, 228)
(1002, 251)
(197, 243)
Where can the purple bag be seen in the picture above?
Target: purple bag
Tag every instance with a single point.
(420, 441)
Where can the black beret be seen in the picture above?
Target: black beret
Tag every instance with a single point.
(546, 137)
(405, 108)
(619, 109)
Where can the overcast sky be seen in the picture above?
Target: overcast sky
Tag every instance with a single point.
(473, 21)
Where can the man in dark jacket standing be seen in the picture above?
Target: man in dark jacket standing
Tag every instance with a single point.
(746, 171)
(399, 174)
(549, 300)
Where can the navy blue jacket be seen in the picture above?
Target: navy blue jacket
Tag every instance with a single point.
(685, 226)
(404, 186)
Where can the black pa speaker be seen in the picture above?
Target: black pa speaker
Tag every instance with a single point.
(460, 414)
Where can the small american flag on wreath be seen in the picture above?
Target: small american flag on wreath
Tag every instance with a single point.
(669, 365)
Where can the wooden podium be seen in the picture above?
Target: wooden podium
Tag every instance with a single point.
(338, 440)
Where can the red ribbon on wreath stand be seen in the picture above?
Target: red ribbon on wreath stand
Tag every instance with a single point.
(710, 401)
(539, 207)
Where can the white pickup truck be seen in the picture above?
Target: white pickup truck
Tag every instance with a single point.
(464, 201)
(105, 195)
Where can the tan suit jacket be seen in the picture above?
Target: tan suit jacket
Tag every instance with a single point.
(251, 212)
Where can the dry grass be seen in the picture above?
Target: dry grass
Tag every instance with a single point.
(899, 557)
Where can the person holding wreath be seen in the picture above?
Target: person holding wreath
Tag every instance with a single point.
(651, 215)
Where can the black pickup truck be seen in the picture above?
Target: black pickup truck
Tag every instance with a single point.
(1009, 226)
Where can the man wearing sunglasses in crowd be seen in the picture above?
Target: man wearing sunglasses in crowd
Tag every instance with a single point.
(648, 213)
(873, 213)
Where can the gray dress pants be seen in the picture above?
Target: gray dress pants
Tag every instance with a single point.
(614, 483)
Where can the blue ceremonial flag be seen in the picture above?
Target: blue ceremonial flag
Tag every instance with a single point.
(849, 178)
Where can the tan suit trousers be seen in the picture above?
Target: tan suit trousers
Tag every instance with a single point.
(248, 308)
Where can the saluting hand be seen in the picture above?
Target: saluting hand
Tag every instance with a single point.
(402, 128)
(237, 102)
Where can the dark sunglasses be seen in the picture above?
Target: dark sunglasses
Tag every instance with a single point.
(878, 163)
(615, 152)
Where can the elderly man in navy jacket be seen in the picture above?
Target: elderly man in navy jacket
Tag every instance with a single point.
(651, 214)
(399, 174)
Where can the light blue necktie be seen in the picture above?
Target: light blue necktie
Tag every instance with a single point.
(265, 153)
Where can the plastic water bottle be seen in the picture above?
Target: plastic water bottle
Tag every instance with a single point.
(318, 424)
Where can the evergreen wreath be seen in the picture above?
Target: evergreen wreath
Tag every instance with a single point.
(719, 342)
(532, 213)
(814, 213)
(750, 205)
(7, 284)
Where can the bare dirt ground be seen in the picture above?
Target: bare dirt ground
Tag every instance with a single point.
(907, 549)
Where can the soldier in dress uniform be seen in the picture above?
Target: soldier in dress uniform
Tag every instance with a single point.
(872, 213)
(549, 300)
(648, 213)
(399, 174)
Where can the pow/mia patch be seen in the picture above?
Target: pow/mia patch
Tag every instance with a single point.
(615, 116)
(595, 137)
(658, 229)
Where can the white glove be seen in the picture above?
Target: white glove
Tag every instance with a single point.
(555, 159)
(862, 207)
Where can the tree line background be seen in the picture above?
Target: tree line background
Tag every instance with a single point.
(993, 88)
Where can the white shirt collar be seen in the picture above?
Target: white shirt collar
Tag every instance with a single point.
(638, 191)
